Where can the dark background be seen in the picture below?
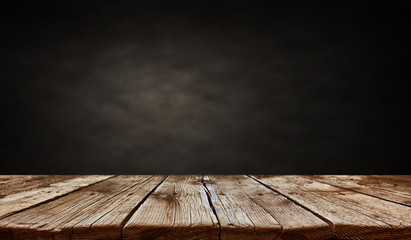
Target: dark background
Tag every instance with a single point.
(259, 87)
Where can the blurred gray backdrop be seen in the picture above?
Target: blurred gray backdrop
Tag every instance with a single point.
(147, 87)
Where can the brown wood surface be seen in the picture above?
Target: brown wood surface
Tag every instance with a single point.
(25, 197)
(241, 203)
(392, 190)
(396, 216)
(93, 212)
(178, 209)
(205, 207)
(240, 217)
(10, 184)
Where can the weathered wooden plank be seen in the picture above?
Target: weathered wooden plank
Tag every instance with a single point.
(239, 216)
(397, 183)
(396, 215)
(248, 210)
(178, 209)
(96, 212)
(400, 178)
(15, 202)
(12, 184)
(109, 220)
(348, 223)
(395, 191)
(296, 207)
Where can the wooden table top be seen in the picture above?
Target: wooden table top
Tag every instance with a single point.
(205, 207)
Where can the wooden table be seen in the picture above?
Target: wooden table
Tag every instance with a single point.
(205, 207)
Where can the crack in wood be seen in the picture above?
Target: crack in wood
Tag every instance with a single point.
(124, 222)
(361, 192)
(330, 223)
(55, 198)
(212, 206)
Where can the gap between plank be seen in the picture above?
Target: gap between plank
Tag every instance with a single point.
(54, 198)
(138, 206)
(212, 207)
(331, 224)
(381, 220)
(115, 195)
(360, 192)
(282, 228)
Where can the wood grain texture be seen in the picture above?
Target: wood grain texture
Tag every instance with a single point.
(248, 210)
(178, 209)
(405, 179)
(397, 191)
(205, 207)
(96, 212)
(26, 197)
(396, 215)
(239, 216)
(347, 222)
(107, 222)
(12, 184)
